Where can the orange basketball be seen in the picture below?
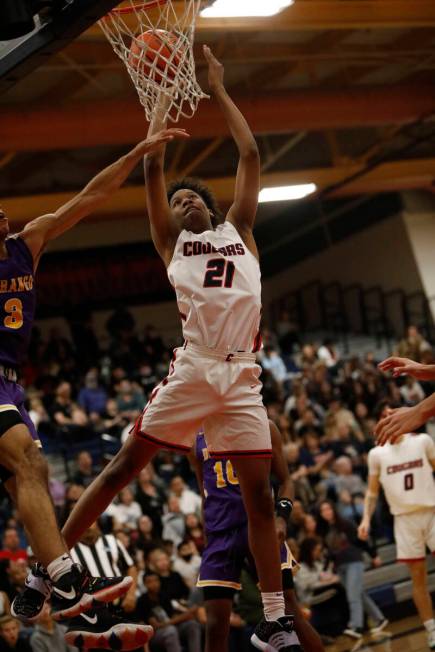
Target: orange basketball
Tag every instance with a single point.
(151, 51)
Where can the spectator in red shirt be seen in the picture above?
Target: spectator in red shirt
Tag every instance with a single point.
(11, 546)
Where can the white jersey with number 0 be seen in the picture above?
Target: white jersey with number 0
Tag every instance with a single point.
(405, 472)
(218, 285)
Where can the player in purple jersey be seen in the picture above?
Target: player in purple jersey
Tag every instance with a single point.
(23, 469)
(227, 548)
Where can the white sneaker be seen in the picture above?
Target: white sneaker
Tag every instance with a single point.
(352, 633)
(431, 639)
(379, 628)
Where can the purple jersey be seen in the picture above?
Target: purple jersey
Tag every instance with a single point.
(17, 302)
(223, 508)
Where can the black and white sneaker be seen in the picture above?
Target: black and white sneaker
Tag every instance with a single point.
(276, 636)
(101, 629)
(37, 590)
(76, 592)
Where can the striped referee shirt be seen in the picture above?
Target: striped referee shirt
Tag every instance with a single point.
(107, 557)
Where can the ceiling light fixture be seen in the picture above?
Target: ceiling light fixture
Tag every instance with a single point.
(285, 193)
(244, 8)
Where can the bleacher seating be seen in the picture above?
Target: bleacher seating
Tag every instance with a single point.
(390, 584)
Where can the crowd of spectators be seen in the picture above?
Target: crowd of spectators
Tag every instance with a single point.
(325, 407)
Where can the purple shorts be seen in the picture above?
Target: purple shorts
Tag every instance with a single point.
(227, 552)
(12, 398)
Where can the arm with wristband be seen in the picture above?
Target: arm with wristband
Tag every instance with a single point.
(284, 500)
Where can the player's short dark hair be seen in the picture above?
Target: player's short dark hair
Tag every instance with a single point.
(381, 405)
(192, 183)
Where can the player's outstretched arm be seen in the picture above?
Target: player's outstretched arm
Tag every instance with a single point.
(404, 420)
(164, 229)
(370, 501)
(405, 366)
(47, 227)
(286, 490)
(242, 212)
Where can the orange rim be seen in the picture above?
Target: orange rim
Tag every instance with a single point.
(138, 7)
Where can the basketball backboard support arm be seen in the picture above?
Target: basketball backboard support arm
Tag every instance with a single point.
(19, 57)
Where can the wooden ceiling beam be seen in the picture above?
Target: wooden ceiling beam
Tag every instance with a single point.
(266, 76)
(130, 200)
(77, 125)
(249, 52)
(321, 15)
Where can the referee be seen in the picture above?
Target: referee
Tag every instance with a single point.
(103, 553)
(104, 556)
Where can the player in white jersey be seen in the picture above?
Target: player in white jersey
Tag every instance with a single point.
(213, 379)
(405, 471)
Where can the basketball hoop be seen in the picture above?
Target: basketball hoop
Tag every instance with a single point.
(155, 42)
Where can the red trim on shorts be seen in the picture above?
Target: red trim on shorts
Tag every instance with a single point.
(161, 443)
(253, 453)
(409, 561)
(258, 341)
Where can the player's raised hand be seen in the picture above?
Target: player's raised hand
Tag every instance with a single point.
(152, 143)
(215, 69)
(398, 422)
(402, 366)
(363, 530)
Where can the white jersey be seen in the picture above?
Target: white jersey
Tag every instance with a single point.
(218, 285)
(405, 472)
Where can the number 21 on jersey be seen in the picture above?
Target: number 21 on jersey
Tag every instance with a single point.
(220, 273)
(224, 477)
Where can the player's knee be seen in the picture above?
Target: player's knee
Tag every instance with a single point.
(15, 444)
(261, 505)
(36, 463)
(29, 464)
(419, 577)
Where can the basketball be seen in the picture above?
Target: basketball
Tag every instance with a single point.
(151, 51)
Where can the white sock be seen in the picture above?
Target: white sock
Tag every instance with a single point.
(59, 567)
(273, 605)
(429, 625)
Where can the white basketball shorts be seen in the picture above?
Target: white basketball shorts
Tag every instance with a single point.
(413, 532)
(210, 389)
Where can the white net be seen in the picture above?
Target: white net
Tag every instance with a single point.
(155, 42)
